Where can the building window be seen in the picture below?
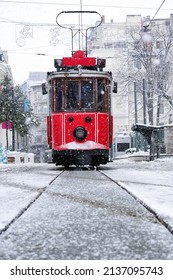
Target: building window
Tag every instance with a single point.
(137, 64)
(167, 22)
(44, 108)
(35, 95)
(159, 44)
(162, 107)
(39, 109)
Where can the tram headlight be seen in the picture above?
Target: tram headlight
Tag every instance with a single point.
(80, 133)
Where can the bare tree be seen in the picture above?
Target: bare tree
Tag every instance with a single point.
(150, 58)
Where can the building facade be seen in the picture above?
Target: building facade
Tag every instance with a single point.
(139, 85)
(36, 140)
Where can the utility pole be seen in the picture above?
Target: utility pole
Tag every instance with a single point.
(144, 101)
(135, 99)
(13, 131)
(136, 115)
(144, 110)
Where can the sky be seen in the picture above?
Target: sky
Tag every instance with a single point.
(27, 28)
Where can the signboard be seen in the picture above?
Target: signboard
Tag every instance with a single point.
(7, 125)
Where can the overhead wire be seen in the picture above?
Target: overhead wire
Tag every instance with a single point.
(76, 4)
(147, 26)
(158, 9)
(4, 20)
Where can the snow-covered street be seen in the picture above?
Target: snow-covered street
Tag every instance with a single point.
(19, 185)
(80, 214)
(152, 182)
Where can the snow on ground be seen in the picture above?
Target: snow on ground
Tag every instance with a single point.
(19, 185)
(12, 201)
(151, 182)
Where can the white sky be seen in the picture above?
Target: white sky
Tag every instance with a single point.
(23, 59)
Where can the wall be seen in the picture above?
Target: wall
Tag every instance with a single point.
(168, 135)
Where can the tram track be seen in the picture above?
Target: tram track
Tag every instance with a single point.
(144, 183)
(83, 213)
(94, 203)
(39, 191)
(151, 210)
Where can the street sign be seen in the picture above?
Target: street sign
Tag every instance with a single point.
(7, 125)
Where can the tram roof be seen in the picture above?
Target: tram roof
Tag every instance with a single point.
(80, 73)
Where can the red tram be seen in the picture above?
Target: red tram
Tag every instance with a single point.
(80, 123)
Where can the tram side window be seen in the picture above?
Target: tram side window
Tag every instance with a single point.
(59, 95)
(100, 95)
(87, 95)
(72, 95)
(56, 95)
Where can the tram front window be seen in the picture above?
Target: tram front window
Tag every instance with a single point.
(72, 95)
(87, 95)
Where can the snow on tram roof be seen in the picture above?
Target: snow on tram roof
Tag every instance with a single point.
(78, 73)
